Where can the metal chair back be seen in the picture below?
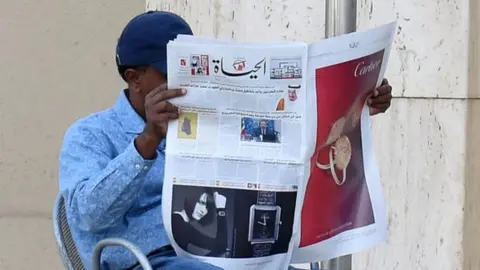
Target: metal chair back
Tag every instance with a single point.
(66, 246)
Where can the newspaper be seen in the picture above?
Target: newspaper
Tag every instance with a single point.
(271, 159)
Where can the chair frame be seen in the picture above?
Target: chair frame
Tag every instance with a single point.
(68, 250)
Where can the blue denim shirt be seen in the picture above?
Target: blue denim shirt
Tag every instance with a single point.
(112, 190)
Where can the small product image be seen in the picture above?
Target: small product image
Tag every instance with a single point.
(288, 102)
(285, 68)
(260, 130)
(199, 65)
(264, 220)
(187, 125)
(270, 223)
(339, 157)
(340, 147)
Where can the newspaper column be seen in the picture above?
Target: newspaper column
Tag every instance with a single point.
(340, 18)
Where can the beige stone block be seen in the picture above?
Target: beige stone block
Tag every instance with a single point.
(420, 149)
(267, 20)
(28, 243)
(430, 53)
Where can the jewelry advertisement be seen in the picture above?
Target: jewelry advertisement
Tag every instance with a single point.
(337, 186)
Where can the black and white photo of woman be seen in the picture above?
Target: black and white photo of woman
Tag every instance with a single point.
(199, 226)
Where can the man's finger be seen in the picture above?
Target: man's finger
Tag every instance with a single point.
(384, 89)
(166, 94)
(165, 117)
(156, 91)
(173, 93)
(172, 116)
(380, 99)
(374, 111)
(165, 107)
(381, 106)
(385, 81)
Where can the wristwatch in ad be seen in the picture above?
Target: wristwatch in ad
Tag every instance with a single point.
(264, 223)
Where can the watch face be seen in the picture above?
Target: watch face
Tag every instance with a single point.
(264, 223)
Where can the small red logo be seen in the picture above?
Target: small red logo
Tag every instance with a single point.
(239, 65)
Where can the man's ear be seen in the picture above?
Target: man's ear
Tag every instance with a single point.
(133, 79)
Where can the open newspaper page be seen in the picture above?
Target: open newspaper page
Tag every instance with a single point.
(235, 158)
(343, 209)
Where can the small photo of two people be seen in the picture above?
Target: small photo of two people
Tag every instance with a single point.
(260, 130)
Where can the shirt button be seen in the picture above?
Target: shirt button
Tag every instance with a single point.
(145, 168)
(137, 167)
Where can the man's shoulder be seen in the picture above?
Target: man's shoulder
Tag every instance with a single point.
(93, 126)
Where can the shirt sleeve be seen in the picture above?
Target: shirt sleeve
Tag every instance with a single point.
(102, 185)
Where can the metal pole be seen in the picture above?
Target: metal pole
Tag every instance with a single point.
(340, 18)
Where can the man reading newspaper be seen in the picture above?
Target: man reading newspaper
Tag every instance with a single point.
(112, 162)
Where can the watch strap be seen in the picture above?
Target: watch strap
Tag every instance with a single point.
(261, 250)
(266, 198)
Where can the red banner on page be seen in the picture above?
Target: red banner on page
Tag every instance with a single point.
(337, 197)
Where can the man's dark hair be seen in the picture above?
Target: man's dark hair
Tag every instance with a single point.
(193, 197)
(122, 69)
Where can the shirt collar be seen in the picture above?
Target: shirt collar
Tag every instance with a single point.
(131, 122)
(129, 118)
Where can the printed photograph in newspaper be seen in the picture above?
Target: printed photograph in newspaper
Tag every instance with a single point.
(288, 102)
(337, 190)
(260, 130)
(199, 65)
(187, 127)
(232, 223)
(285, 68)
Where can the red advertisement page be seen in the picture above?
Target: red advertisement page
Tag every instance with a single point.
(337, 197)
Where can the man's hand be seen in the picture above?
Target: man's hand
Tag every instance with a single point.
(380, 99)
(158, 112)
